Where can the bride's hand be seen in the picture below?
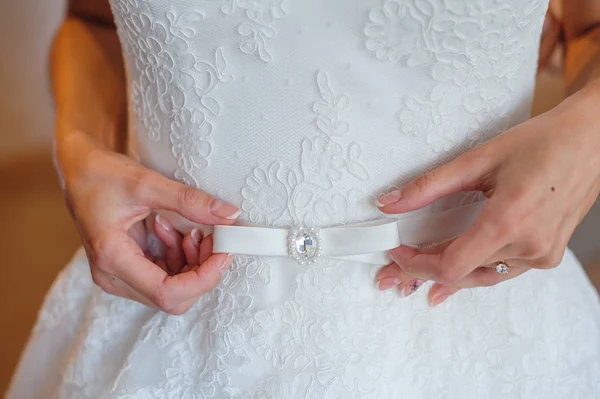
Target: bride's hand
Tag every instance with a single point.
(540, 177)
(109, 195)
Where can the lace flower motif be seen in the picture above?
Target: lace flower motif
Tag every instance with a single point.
(321, 161)
(391, 34)
(190, 133)
(265, 196)
(274, 333)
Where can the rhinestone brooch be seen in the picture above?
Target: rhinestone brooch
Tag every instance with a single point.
(304, 245)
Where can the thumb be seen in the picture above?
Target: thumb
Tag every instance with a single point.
(191, 203)
(463, 173)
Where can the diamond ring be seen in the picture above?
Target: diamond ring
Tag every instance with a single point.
(502, 267)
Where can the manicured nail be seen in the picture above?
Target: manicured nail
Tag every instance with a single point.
(389, 198)
(226, 263)
(164, 223)
(438, 298)
(224, 210)
(195, 233)
(387, 283)
(410, 288)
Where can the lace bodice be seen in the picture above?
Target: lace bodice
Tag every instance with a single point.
(303, 111)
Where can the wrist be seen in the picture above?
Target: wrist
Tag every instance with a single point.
(70, 151)
(587, 119)
(586, 103)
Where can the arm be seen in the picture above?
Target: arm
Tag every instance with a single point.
(540, 177)
(108, 194)
(582, 31)
(88, 77)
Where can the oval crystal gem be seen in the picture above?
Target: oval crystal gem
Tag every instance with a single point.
(305, 244)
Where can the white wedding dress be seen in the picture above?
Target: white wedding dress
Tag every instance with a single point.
(302, 112)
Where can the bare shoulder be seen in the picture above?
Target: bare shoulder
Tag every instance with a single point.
(96, 11)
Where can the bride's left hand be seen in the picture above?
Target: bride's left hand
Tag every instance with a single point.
(540, 177)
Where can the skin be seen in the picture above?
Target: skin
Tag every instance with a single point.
(551, 36)
(517, 171)
(111, 197)
(540, 177)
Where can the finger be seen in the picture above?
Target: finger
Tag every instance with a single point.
(168, 292)
(174, 256)
(433, 263)
(420, 264)
(205, 249)
(191, 247)
(480, 277)
(156, 248)
(490, 232)
(185, 306)
(515, 250)
(464, 173)
(539, 263)
(392, 271)
(511, 263)
(410, 287)
(186, 268)
(172, 291)
(487, 276)
(163, 265)
(138, 233)
(392, 276)
(149, 256)
(193, 204)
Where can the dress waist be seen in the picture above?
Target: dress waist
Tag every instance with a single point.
(367, 242)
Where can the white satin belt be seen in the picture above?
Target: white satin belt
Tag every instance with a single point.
(364, 242)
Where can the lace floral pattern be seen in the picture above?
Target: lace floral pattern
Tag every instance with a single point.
(71, 290)
(474, 68)
(259, 26)
(172, 83)
(282, 195)
(308, 152)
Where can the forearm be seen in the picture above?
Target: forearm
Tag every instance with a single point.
(89, 86)
(582, 34)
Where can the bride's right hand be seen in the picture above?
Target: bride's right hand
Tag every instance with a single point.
(109, 195)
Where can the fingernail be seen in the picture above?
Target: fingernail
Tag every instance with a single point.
(226, 263)
(411, 288)
(224, 210)
(438, 298)
(195, 233)
(387, 283)
(164, 223)
(389, 198)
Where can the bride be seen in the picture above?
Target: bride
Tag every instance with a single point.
(389, 222)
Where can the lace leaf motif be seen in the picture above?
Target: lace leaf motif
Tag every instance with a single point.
(283, 194)
(258, 29)
(168, 82)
